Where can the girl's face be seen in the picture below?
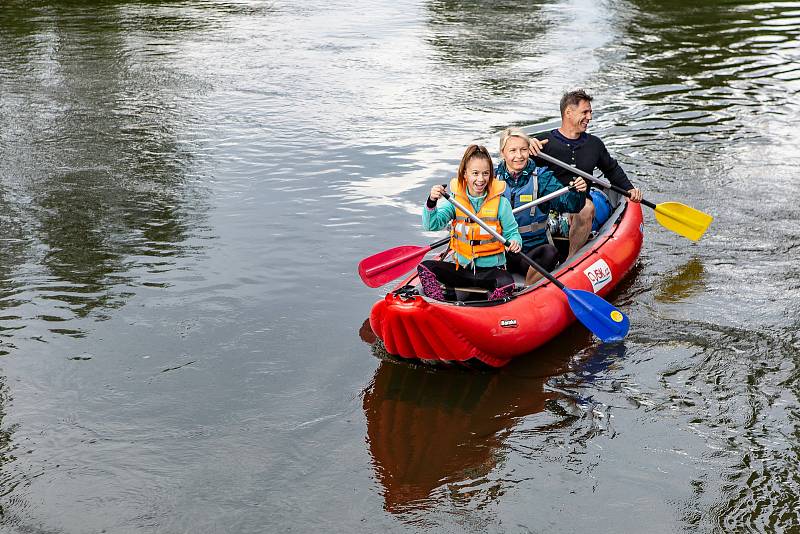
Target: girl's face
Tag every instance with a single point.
(515, 154)
(478, 173)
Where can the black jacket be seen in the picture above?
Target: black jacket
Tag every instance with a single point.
(587, 156)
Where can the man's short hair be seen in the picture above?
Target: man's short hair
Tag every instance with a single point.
(573, 98)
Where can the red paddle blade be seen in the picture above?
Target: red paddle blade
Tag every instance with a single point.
(390, 264)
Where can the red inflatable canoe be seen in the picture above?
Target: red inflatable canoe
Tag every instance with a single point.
(493, 333)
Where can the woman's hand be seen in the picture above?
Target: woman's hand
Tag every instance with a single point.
(536, 146)
(514, 246)
(579, 184)
(436, 192)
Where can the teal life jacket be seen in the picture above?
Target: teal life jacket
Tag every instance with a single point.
(525, 188)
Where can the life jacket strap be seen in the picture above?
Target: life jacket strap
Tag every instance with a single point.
(534, 227)
(467, 220)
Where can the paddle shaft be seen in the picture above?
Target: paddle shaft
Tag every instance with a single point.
(437, 244)
(541, 200)
(502, 239)
(595, 179)
(516, 210)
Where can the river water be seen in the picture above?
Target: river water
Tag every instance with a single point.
(187, 187)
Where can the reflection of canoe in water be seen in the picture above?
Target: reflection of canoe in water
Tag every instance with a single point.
(427, 430)
(414, 326)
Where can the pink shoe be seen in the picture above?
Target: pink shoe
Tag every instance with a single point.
(430, 284)
(501, 292)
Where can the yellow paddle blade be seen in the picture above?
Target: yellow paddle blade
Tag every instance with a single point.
(682, 219)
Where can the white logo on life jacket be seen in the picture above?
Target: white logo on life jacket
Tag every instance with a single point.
(599, 274)
(508, 323)
(482, 233)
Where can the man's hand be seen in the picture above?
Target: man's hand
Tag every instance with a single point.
(636, 195)
(537, 146)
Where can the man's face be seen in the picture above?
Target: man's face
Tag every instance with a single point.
(578, 117)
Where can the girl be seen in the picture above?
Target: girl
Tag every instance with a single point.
(479, 259)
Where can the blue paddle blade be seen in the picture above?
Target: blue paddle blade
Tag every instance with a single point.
(602, 318)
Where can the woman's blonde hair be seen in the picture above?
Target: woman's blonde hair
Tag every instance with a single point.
(479, 152)
(508, 133)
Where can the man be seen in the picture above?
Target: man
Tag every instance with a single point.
(571, 144)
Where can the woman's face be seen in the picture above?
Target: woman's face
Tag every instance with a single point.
(515, 154)
(478, 172)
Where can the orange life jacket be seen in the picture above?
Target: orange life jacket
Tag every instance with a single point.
(468, 238)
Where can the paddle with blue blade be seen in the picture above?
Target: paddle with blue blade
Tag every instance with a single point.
(680, 218)
(602, 318)
(385, 266)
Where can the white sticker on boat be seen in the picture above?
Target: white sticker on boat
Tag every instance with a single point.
(599, 274)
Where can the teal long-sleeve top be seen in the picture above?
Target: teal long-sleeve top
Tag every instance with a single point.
(570, 202)
(439, 217)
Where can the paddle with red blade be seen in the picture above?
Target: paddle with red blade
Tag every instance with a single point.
(388, 265)
(601, 317)
(385, 266)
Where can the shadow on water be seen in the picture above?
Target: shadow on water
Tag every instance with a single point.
(430, 429)
(688, 280)
(438, 434)
(482, 40)
(97, 152)
(26, 17)
(490, 35)
(14, 248)
(7, 481)
(703, 70)
(724, 76)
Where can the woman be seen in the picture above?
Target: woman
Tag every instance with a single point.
(527, 182)
(479, 258)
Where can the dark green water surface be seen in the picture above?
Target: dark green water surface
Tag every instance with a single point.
(187, 187)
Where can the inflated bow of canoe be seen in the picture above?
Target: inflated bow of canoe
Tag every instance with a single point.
(493, 333)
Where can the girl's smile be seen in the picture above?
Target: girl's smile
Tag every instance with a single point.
(478, 173)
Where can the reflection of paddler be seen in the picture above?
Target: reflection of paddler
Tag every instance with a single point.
(686, 280)
(428, 429)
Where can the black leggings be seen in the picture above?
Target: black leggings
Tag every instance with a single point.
(483, 277)
(545, 255)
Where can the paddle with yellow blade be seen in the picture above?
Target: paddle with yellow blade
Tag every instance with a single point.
(679, 218)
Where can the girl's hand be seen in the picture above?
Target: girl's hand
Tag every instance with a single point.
(636, 194)
(514, 246)
(436, 192)
(579, 184)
